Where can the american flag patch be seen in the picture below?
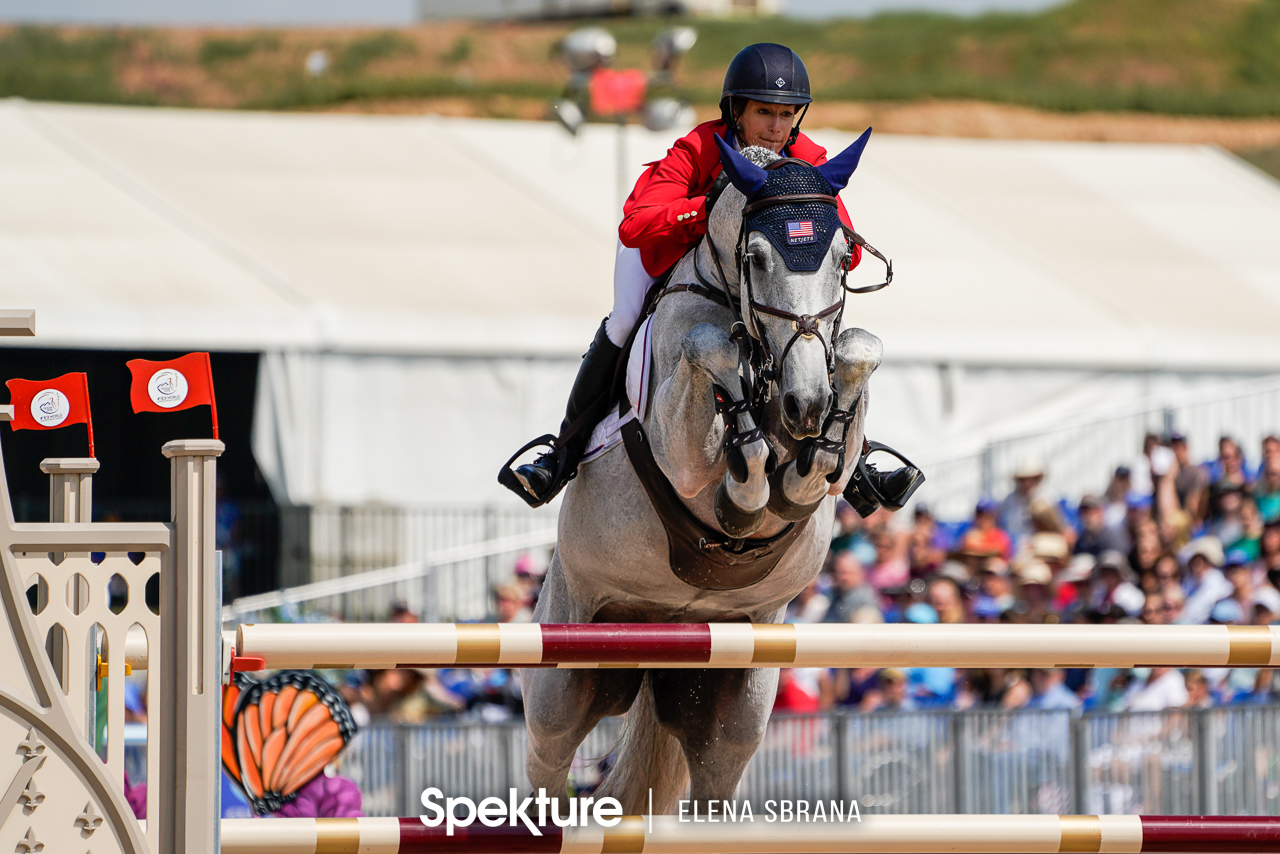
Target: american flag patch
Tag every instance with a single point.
(800, 231)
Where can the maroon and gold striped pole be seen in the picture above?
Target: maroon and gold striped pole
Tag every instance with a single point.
(667, 834)
(381, 646)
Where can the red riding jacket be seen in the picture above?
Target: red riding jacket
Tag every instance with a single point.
(677, 185)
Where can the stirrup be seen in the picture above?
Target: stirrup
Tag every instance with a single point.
(507, 475)
(863, 495)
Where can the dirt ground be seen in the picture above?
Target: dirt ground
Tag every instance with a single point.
(975, 119)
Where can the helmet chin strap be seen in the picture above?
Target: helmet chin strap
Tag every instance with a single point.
(795, 129)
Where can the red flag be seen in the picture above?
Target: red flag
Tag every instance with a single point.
(177, 384)
(50, 404)
(615, 93)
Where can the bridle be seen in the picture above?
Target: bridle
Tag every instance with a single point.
(758, 366)
(766, 367)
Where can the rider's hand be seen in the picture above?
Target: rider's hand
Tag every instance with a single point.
(717, 187)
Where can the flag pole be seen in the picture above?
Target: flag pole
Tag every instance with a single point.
(213, 400)
(88, 414)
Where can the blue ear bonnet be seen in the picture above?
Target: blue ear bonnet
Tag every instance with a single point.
(800, 231)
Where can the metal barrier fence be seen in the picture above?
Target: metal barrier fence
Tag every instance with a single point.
(325, 543)
(1081, 453)
(1213, 761)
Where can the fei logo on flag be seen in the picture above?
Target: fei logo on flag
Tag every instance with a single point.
(50, 408)
(49, 404)
(175, 384)
(167, 388)
(800, 231)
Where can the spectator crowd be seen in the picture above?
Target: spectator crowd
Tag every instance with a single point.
(1168, 541)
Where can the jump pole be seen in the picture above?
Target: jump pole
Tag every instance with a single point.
(671, 645)
(902, 834)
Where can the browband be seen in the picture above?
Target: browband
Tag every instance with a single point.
(788, 199)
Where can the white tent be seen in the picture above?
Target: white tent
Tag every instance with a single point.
(423, 287)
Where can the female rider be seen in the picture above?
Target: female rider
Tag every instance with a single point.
(766, 91)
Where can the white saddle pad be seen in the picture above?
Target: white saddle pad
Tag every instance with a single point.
(608, 432)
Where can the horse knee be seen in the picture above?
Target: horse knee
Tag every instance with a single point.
(858, 354)
(708, 347)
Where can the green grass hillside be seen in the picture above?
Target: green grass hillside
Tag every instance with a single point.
(1189, 57)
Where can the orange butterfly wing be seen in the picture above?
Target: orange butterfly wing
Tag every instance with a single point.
(277, 735)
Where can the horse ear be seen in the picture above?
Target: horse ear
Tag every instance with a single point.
(840, 168)
(744, 174)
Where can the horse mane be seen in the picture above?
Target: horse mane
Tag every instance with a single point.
(759, 155)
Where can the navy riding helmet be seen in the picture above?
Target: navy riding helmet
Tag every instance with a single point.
(767, 72)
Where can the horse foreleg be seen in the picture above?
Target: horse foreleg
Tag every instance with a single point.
(563, 706)
(688, 438)
(824, 467)
(719, 718)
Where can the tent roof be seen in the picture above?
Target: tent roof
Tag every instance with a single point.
(135, 227)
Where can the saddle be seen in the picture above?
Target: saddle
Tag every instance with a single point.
(699, 555)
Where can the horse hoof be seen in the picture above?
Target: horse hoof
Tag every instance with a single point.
(734, 521)
(780, 506)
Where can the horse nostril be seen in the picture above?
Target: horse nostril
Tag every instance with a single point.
(791, 407)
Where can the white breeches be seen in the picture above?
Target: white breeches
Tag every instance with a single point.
(630, 284)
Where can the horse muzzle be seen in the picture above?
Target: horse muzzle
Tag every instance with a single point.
(803, 414)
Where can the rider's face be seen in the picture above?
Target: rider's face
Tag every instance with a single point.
(766, 125)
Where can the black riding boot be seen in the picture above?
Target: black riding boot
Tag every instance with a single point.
(869, 488)
(540, 481)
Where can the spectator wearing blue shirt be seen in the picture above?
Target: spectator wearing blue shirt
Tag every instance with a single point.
(1048, 692)
(1015, 511)
(1205, 584)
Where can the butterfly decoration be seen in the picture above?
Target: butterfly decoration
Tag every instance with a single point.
(278, 734)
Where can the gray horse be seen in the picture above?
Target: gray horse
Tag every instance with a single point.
(696, 729)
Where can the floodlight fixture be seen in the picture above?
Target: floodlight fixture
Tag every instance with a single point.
(670, 44)
(587, 49)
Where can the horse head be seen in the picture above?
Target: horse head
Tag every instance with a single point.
(788, 268)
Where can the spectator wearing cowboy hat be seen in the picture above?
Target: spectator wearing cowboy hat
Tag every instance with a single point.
(1073, 582)
(1114, 586)
(996, 583)
(1015, 515)
(1205, 584)
(1035, 590)
(1266, 605)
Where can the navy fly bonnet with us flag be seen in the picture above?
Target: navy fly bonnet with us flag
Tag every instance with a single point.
(801, 229)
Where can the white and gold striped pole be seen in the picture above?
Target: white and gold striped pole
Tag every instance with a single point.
(667, 834)
(382, 646)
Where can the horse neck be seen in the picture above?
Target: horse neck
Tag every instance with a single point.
(704, 257)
